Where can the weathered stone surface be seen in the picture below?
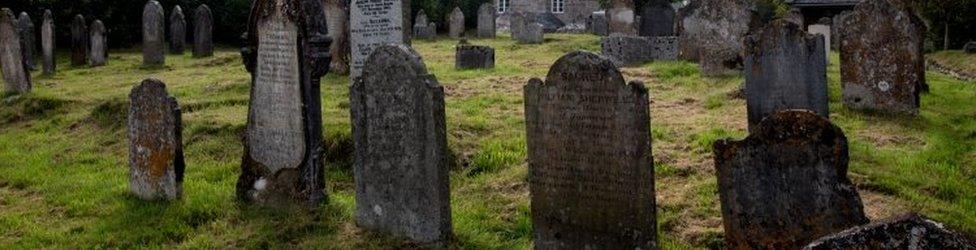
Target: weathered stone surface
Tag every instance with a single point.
(525, 29)
(156, 161)
(785, 69)
(153, 40)
(597, 24)
(836, 23)
(455, 23)
(486, 20)
(823, 30)
(621, 17)
(970, 48)
(47, 43)
(79, 41)
(657, 19)
(15, 75)
(591, 173)
(882, 62)
(635, 50)
(909, 231)
(401, 170)
(203, 32)
(711, 32)
(794, 16)
(550, 23)
(282, 162)
(421, 18)
(467, 56)
(786, 184)
(337, 15)
(177, 31)
(425, 31)
(375, 23)
(99, 45)
(28, 39)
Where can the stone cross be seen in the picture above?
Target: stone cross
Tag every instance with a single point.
(374, 23)
(156, 163)
(16, 78)
(27, 40)
(486, 20)
(467, 56)
(153, 44)
(47, 43)
(456, 23)
(657, 19)
(401, 170)
(711, 33)
(591, 173)
(79, 41)
(621, 17)
(203, 32)
(99, 45)
(909, 231)
(786, 184)
(287, 53)
(177, 31)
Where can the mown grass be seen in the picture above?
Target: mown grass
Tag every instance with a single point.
(63, 155)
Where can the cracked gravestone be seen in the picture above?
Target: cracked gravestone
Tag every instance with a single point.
(486, 20)
(177, 31)
(48, 43)
(79, 41)
(467, 56)
(711, 33)
(153, 44)
(16, 78)
(657, 19)
(455, 23)
(156, 162)
(909, 231)
(99, 45)
(203, 32)
(374, 23)
(27, 40)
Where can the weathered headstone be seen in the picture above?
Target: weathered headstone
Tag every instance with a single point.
(467, 56)
(282, 154)
(375, 23)
(426, 31)
(591, 173)
(153, 44)
(28, 39)
(823, 30)
(156, 163)
(635, 50)
(401, 171)
(711, 32)
(786, 184)
(99, 46)
(203, 32)
(621, 17)
(177, 31)
(657, 19)
(597, 23)
(909, 231)
(486, 20)
(882, 62)
(15, 75)
(785, 69)
(79, 41)
(836, 22)
(970, 48)
(421, 18)
(525, 29)
(337, 15)
(47, 43)
(455, 23)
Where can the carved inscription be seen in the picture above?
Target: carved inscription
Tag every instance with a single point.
(373, 23)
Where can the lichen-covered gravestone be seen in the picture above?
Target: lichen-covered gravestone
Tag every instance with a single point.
(15, 75)
(591, 173)
(486, 20)
(785, 69)
(881, 57)
(153, 40)
(28, 41)
(455, 23)
(287, 53)
(203, 32)
(177, 31)
(467, 56)
(711, 32)
(786, 184)
(909, 231)
(374, 23)
(401, 171)
(657, 19)
(79, 41)
(156, 161)
(47, 43)
(621, 17)
(99, 46)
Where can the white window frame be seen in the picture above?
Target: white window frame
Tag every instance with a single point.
(557, 6)
(502, 6)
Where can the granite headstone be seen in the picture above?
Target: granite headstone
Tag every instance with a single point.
(28, 40)
(375, 23)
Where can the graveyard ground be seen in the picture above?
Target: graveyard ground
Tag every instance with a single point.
(64, 172)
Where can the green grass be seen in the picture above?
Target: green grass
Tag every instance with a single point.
(956, 60)
(63, 155)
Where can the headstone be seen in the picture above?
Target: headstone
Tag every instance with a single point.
(28, 41)
(836, 23)
(283, 140)
(657, 19)
(621, 17)
(636, 50)
(823, 30)
(374, 23)
(970, 48)
(525, 29)
(598, 24)
(486, 20)
(882, 62)
(591, 173)
(156, 163)
(16, 78)
(455, 23)
(153, 44)
(785, 69)
(467, 56)
(786, 184)
(711, 33)
(421, 18)
(337, 15)
(401, 171)
(79, 41)
(177, 31)
(99, 46)
(203, 32)
(426, 31)
(47, 43)
(909, 231)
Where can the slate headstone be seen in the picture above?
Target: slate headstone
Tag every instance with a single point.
(156, 163)
(337, 15)
(467, 56)
(591, 172)
(455, 23)
(970, 48)
(48, 43)
(711, 32)
(657, 19)
(16, 78)
(786, 184)
(401, 171)
(909, 231)
(881, 57)
(621, 17)
(28, 39)
(99, 45)
(79, 41)
(486, 20)
(636, 50)
(597, 24)
(203, 32)
(177, 31)
(153, 40)
(374, 23)
(823, 30)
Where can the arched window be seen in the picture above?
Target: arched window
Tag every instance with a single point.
(502, 6)
(557, 6)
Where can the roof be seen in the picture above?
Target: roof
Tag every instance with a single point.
(822, 3)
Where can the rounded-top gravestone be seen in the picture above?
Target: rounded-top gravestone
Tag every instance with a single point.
(28, 41)
(15, 75)
(486, 20)
(177, 31)
(79, 41)
(48, 42)
(153, 40)
(99, 45)
(203, 32)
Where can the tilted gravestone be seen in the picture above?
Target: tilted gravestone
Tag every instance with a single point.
(823, 30)
(16, 78)
(79, 41)
(786, 184)
(597, 23)
(785, 69)
(375, 23)
(203, 32)
(28, 41)
(156, 162)
(486, 20)
(401, 171)
(467, 56)
(282, 163)
(337, 17)
(99, 45)
(591, 173)
(635, 50)
(455, 23)
(153, 44)
(47, 43)
(909, 231)
(711, 32)
(657, 19)
(621, 17)
(882, 59)
(177, 31)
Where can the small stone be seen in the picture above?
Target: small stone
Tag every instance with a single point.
(970, 48)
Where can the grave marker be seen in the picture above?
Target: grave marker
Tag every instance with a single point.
(177, 31)
(486, 20)
(909, 231)
(374, 23)
(47, 43)
(99, 45)
(156, 163)
(621, 17)
(153, 44)
(16, 78)
(711, 32)
(467, 56)
(28, 41)
(203, 32)
(455, 23)
(657, 19)
(79, 41)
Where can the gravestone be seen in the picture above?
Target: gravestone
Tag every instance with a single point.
(786, 184)
(282, 162)
(177, 31)
(421, 18)
(156, 162)
(785, 69)
(401, 171)
(970, 48)
(203, 32)
(337, 15)
(591, 173)
(99, 46)
(636, 50)
(486, 20)
(47, 43)
(621, 17)
(598, 24)
(909, 231)
(836, 22)
(711, 33)
(525, 29)
(28, 41)
(823, 30)
(16, 78)
(657, 19)
(79, 41)
(455, 23)
(374, 23)
(153, 46)
(467, 56)
(426, 31)
(882, 59)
